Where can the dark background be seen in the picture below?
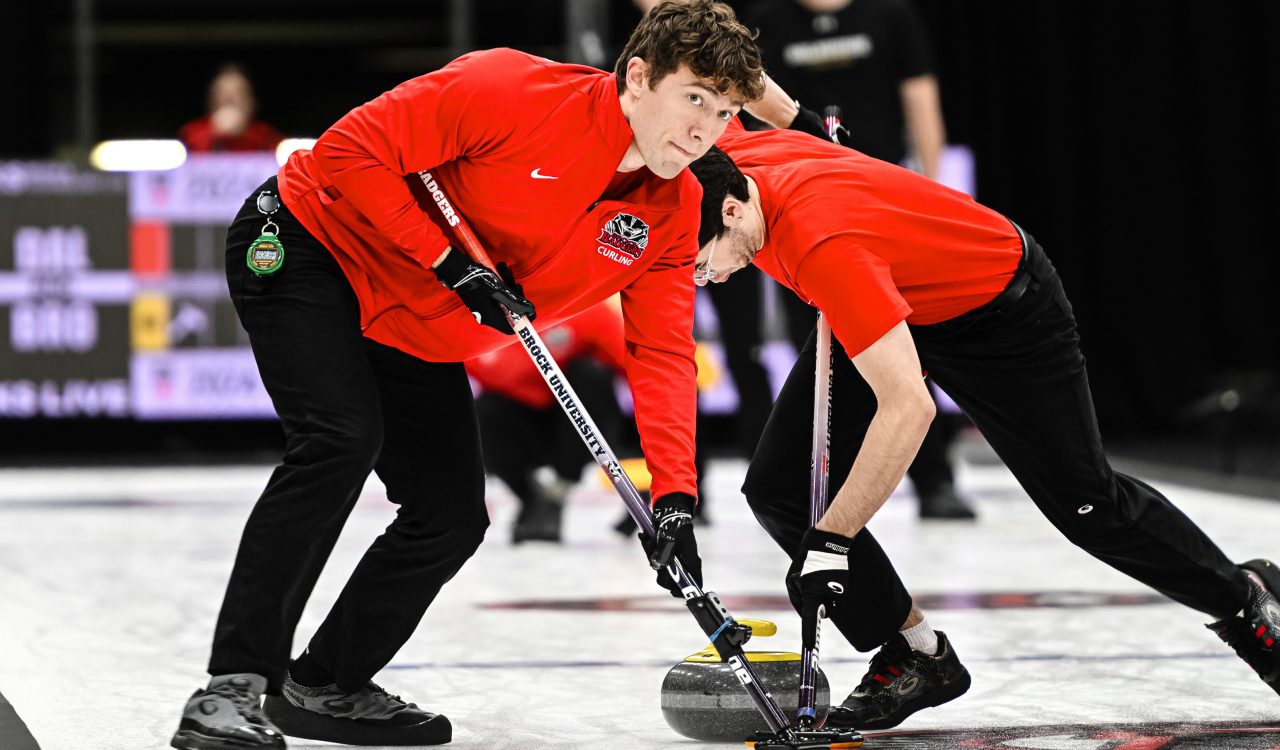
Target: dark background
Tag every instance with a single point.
(1135, 140)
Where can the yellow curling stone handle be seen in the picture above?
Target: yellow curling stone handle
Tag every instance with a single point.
(759, 628)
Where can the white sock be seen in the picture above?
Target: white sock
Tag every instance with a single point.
(922, 638)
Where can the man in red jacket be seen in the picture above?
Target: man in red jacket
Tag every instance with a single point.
(574, 180)
(914, 276)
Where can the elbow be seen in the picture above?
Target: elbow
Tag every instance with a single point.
(327, 158)
(915, 412)
(336, 154)
(924, 410)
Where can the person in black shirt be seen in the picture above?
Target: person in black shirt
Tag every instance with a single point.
(871, 58)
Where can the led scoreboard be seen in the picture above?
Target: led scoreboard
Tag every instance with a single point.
(113, 294)
(65, 292)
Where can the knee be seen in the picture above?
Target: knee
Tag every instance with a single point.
(781, 521)
(455, 540)
(472, 530)
(470, 520)
(1086, 504)
(755, 486)
(348, 451)
(455, 516)
(1091, 525)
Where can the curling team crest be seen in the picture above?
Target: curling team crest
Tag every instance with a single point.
(623, 238)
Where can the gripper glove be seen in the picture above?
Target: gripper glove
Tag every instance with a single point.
(808, 121)
(818, 578)
(673, 523)
(483, 292)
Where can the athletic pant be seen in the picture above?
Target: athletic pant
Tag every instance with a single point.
(1015, 367)
(348, 405)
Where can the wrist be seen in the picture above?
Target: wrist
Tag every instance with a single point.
(440, 258)
(808, 121)
(676, 501)
(451, 267)
(817, 540)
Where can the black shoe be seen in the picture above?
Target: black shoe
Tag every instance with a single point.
(226, 716)
(626, 525)
(538, 522)
(1256, 636)
(370, 716)
(900, 682)
(946, 504)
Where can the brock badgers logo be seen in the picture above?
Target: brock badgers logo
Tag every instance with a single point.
(625, 233)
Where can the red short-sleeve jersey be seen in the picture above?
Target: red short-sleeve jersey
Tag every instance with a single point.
(869, 243)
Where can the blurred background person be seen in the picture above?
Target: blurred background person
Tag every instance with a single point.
(231, 123)
(522, 428)
(872, 59)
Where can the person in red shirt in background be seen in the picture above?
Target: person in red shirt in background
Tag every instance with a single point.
(360, 315)
(915, 277)
(230, 124)
(522, 426)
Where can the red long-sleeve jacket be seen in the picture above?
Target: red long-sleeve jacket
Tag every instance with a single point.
(526, 150)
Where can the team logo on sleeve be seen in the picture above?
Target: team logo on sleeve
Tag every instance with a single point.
(623, 238)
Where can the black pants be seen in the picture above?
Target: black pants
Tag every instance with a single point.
(1016, 369)
(348, 405)
(930, 471)
(519, 439)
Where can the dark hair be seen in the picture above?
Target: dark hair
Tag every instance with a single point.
(719, 177)
(703, 34)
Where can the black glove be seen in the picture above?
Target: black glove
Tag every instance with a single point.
(808, 121)
(483, 292)
(818, 578)
(673, 520)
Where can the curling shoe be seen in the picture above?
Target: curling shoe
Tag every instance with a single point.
(369, 716)
(538, 522)
(227, 716)
(900, 682)
(1256, 636)
(946, 504)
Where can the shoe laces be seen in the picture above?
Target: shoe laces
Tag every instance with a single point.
(243, 697)
(377, 691)
(1251, 636)
(1239, 635)
(1262, 620)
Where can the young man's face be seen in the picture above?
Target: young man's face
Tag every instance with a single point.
(677, 120)
(735, 248)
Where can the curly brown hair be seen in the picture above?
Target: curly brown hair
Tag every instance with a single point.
(703, 34)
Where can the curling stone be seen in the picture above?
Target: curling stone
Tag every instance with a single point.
(703, 700)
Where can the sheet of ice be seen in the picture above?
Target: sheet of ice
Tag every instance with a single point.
(111, 580)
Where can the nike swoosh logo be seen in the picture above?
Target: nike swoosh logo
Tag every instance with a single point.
(537, 175)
